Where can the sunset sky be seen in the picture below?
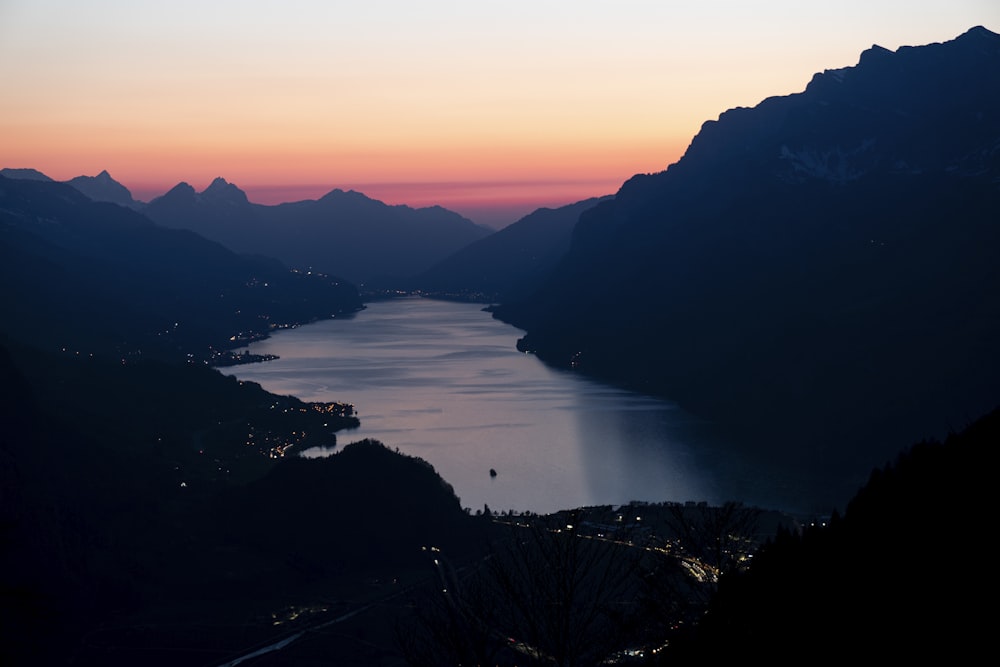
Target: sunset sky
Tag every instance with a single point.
(491, 109)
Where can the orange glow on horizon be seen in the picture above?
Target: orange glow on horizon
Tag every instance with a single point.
(419, 104)
(492, 203)
(491, 185)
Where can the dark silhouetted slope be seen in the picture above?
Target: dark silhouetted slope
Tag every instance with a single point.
(104, 188)
(364, 507)
(896, 577)
(99, 188)
(99, 278)
(510, 263)
(137, 524)
(24, 174)
(817, 273)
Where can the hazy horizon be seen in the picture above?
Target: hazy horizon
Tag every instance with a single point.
(488, 204)
(493, 204)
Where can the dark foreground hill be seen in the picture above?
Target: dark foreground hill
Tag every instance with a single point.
(139, 524)
(817, 274)
(120, 546)
(897, 577)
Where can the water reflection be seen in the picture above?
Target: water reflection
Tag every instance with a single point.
(443, 381)
(644, 430)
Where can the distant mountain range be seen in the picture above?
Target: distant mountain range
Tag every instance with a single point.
(362, 239)
(25, 174)
(509, 264)
(344, 233)
(819, 273)
(104, 188)
(97, 278)
(99, 188)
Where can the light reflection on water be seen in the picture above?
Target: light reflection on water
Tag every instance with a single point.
(444, 381)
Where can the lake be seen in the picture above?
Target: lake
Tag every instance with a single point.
(444, 381)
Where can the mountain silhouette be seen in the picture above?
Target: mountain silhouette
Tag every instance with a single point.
(222, 192)
(343, 233)
(100, 278)
(817, 274)
(801, 586)
(24, 174)
(99, 188)
(509, 263)
(104, 188)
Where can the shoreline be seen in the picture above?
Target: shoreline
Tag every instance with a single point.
(231, 358)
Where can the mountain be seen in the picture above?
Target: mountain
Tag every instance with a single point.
(817, 274)
(99, 188)
(95, 277)
(342, 233)
(24, 174)
(802, 590)
(129, 492)
(509, 263)
(104, 188)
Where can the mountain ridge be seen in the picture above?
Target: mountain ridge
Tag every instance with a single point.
(344, 233)
(509, 263)
(102, 278)
(799, 274)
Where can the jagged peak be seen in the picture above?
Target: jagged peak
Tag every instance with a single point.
(882, 79)
(181, 189)
(103, 188)
(979, 32)
(338, 193)
(182, 192)
(220, 188)
(977, 37)
(875, 53)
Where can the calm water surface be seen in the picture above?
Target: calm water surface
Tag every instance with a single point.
(443, 381)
